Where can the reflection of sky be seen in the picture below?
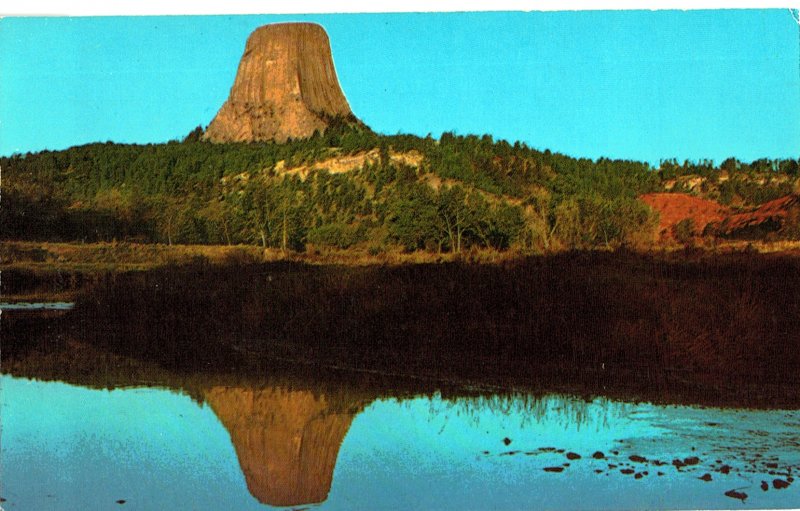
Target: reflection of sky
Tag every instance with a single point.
(66, 447)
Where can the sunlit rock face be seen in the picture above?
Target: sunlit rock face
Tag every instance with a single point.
(286, 87)
(287, 441)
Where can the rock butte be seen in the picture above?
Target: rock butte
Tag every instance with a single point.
(286, 87)
(287, 441)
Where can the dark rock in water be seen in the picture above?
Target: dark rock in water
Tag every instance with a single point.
(659, 463)
(692, 460)
(646, 472)
(725, 469)
(565, 464)
(573, 456)
(2, 499)
(615, 453)
(660, 474)
(121, 501)
(637, 459)
(712, 424)
(736, 495)
(611, 465)
(705, 477)
(764, 486)
(485, 452)
(598, 471)
(547, 449)
(598, 455)
(772, 465)
(553, 469)
(790, 479)
(506, 440)
(509, 453)
(678, 463)
(638, 475)
(627, 471)
(780, 484)
(560, 451)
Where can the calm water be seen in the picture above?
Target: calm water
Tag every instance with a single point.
(68, 447)
(36, 306)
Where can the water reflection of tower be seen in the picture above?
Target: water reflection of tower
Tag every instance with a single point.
(287, 441)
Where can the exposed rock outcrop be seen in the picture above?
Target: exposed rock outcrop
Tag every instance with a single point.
(287, 441)
(286, 87)
(710, 218)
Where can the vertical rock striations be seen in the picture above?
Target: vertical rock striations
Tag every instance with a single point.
(287, 441)
(286, 87)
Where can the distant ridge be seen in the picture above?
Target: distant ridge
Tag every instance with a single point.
(286, 87)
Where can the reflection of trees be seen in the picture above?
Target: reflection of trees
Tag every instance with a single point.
(562, 410)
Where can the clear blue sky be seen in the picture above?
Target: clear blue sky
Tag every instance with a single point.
(636, 84)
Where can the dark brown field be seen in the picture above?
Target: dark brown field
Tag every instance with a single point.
(686, 327)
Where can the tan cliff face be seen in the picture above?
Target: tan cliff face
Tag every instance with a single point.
(287, 441)
(286, 87)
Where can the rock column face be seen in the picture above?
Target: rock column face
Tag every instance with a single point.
(286, 87)
(287, 441)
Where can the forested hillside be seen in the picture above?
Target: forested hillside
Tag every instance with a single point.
(350, 187)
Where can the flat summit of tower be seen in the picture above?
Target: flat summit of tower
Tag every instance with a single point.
(285, 87)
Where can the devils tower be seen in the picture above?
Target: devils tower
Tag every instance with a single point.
(286, 87)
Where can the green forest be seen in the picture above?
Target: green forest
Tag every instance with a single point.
(465, 192)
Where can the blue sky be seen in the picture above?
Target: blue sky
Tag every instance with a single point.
(622, 84)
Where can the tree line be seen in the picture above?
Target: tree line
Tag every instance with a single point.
(468, 191)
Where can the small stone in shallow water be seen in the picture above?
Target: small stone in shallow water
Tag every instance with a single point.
(553, 469)
(736, 495)
(705, 477)
(780, 484)
(678, 463)
(660, 474)
(637, 459)
(598, 455)
(691, 460)
(627, 471)
(598, 471)
(764, 486)
(772, 465)
(121, 501)
(611, 465)
(638, 475)
(573, 456)
(725, 469)
(615, 453)
(506, 440)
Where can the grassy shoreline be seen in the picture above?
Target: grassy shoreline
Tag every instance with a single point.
(53, 271)
(701, 327)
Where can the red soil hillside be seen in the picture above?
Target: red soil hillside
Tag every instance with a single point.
(771, 215)
(774, 216)
(674, 207)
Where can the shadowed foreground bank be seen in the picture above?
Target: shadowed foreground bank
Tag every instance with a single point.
(711, 329)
